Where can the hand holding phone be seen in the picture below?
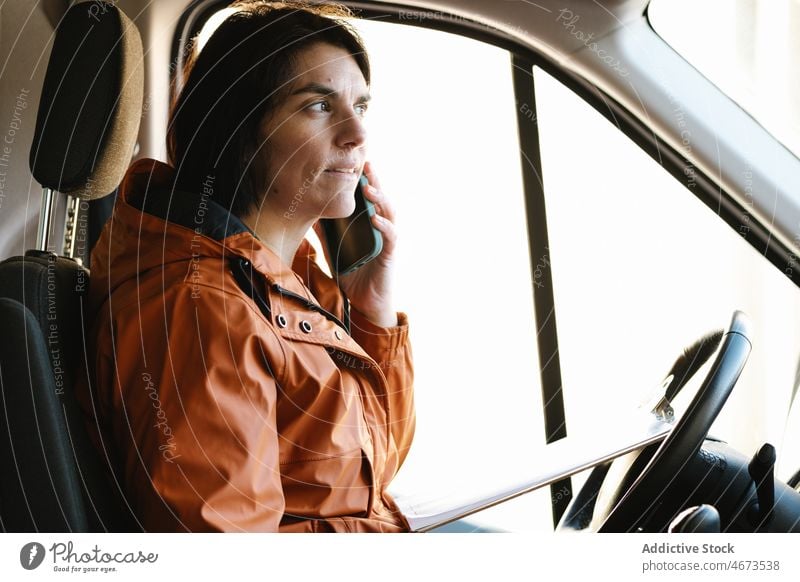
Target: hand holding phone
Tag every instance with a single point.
(353, 241)
(370, 232)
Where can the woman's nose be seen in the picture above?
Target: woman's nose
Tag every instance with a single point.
(351, 132)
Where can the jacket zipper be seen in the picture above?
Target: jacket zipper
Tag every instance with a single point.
(243, 276)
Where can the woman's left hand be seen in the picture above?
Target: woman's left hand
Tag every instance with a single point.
(369, 288)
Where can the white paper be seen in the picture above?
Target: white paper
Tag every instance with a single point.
(454, 499)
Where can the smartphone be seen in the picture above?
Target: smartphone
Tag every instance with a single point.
(353, 241)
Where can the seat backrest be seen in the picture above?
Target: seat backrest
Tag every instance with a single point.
(51, 476)
(40, 486)
(43, 347)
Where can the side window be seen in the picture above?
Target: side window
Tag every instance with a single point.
(642, 268)
(443, 137)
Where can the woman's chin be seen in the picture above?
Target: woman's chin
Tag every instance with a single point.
(341, 210)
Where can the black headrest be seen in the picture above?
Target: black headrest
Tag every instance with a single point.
(91, 102)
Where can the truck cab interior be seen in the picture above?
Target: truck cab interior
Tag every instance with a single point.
(85, 92)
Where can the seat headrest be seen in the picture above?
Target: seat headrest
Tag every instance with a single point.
(91, 102)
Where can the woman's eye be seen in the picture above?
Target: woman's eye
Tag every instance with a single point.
(322, 106)
(325, 107)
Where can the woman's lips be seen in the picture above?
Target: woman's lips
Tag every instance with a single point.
(341, 175)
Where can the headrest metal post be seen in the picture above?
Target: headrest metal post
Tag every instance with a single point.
(45, 219)
(71, 225)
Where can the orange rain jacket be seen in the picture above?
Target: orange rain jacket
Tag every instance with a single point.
(230, 396)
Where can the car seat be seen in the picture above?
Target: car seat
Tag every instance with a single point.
(51, 477)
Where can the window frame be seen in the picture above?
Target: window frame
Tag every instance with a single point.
(713, 195)
(523, 60)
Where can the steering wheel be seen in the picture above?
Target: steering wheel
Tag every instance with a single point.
(689, 432)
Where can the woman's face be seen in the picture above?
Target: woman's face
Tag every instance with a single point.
(315, 139)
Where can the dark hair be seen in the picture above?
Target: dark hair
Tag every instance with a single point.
(237, 78)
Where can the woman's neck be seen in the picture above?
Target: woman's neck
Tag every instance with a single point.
(283, 236)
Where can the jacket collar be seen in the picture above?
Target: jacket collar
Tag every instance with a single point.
(190, 225)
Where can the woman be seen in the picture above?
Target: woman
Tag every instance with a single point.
(235, 386)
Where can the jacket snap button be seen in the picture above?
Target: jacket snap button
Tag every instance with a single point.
(305, 326)
(338, 334)
(281, 320)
